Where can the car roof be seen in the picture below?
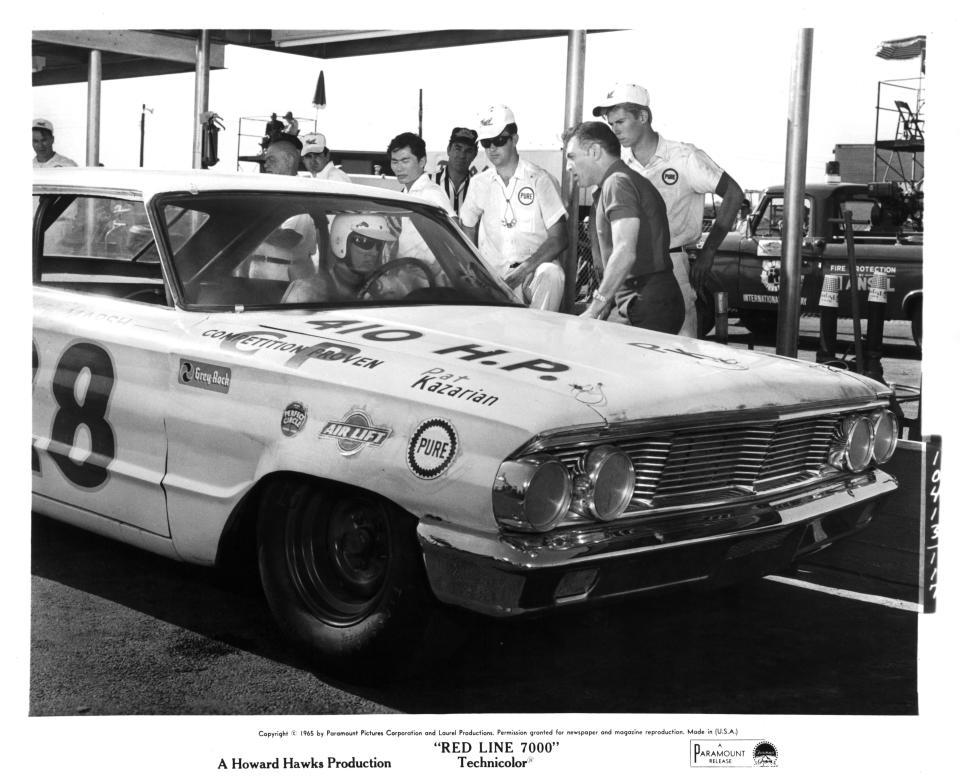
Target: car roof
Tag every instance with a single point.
(152, 182)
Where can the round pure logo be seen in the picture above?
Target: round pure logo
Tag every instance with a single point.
(293, 419)
(525, 196)
(432, 448)
(670, 176)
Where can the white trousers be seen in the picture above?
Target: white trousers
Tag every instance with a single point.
(545, 290)
(681, 270)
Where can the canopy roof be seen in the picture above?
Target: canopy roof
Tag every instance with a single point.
(62, 56)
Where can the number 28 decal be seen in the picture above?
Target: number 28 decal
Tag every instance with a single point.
(82, 383)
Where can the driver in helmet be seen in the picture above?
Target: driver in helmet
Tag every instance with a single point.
(361, 244)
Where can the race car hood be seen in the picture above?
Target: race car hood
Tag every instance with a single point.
(539, 370)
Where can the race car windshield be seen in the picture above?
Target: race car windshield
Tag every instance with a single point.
(287, 250)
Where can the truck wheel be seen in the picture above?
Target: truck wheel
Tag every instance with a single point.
(762, 324)
(341, 571)
(916, 324)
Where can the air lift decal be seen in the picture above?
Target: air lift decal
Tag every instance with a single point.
(354, 432)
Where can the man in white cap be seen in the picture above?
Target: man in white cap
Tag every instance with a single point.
(316, 159)
(682, 174)
(43, 147)
(514, 213)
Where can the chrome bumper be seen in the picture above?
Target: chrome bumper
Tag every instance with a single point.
(505, 574)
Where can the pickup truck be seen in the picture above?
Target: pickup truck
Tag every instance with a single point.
(888, 237)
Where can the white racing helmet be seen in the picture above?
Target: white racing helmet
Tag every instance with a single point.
(369, 225)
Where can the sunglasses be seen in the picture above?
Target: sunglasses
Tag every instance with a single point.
(499, 141)
(364, 242)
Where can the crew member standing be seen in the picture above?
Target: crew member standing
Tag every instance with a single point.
(43, 147)
(455, 176)
(408, 160)
(630, 236)
(682, 174)
(516, 208)
(317, 159)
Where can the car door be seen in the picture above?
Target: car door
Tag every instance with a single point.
(101, 315)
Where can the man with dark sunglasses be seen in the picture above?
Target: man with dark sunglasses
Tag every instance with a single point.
(514, 213)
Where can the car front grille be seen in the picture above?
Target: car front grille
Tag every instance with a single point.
(717, 463)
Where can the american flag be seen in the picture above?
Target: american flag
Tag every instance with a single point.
(903, 48)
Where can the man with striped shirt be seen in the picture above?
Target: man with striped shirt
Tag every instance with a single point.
(455, 176)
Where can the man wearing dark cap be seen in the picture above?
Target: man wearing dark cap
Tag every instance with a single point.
(43, 147)
(455, 177)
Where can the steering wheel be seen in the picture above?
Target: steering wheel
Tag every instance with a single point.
(146, 295)
(392, 266)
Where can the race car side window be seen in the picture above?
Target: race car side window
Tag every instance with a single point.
(100, 246)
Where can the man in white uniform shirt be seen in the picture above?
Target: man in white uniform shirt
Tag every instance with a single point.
(682, 174)
(316, 159)
(514, 213)
(408, 159)
(43, 147)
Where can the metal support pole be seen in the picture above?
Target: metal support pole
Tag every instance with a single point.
(572, 115)
(94, 78)
(201, 95)
(788, 321)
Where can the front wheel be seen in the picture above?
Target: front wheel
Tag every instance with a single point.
(341, 570)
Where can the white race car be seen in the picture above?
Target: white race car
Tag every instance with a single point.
(328, 379)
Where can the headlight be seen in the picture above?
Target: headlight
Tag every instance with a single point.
(606, 486)
(531, 493)
(885, 434)
(858, 443)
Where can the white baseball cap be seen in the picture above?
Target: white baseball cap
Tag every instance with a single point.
(493, 119)
(43, 124)
(313, 143)
(622, 93)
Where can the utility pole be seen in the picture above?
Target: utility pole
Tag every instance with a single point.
(143, 123)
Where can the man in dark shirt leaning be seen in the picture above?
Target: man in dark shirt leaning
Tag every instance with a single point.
(631, 235)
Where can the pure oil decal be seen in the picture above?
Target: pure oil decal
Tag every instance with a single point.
(433, 447)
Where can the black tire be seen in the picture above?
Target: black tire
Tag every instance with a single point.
(342, 572)
(916, 324)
